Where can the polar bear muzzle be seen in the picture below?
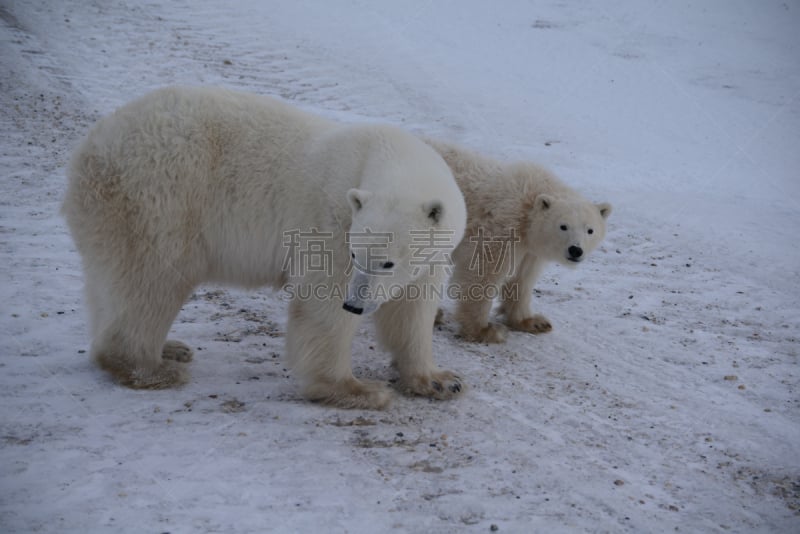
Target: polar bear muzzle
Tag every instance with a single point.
(574, 254)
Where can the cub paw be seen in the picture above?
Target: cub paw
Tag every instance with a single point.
(440, 385)
(351, 394)
(491, 333)
(177, 351)
(439, 318)
(538, 324)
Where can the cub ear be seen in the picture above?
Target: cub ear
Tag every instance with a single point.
(433, 210)
(357, 198)
(605, 209)
(543, 202)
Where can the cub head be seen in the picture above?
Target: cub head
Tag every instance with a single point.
(395, 240)
(566, 230)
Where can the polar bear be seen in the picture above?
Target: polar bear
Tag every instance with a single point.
(520, 217)
(192, 185)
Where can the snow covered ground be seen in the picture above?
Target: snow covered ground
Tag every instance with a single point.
(666, 399)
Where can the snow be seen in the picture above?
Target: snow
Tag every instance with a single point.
(666, 398)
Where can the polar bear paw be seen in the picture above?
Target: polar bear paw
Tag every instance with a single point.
(440, 385)
(177, 351)
(168, 374)
(350, 394)
(135, 374)
(491, 333)
(538, 324)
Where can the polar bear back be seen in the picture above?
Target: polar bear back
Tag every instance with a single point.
(221, 175)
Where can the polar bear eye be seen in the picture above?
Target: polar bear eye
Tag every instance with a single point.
(353, 255)
(590, 231)
(434, 210)
(564, 227)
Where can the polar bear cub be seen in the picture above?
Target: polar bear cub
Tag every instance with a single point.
(193, 185)
(520, 217)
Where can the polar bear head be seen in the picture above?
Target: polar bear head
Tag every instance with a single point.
(565, 230)
(397, 239)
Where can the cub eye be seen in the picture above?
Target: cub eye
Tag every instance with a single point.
(353, 255)
(564, 227)
(590, 231)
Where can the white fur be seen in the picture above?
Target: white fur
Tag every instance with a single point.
(193, 185)
(551, 222)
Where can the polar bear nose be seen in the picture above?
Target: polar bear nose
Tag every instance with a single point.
(575, 252)
(388, 265)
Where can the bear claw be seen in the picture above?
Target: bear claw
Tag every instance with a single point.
(538, 324)
(441, 385)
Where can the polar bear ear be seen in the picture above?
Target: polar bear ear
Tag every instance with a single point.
(433, 210)
(357, 198)
(529, 195)
(543, 202)
(605, 209)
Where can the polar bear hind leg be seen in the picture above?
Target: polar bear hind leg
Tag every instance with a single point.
(176, 351)
(131, 327)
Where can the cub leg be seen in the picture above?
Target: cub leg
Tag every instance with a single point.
(475, 292)
(516, 298)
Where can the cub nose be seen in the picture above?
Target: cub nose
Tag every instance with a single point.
(575, 252)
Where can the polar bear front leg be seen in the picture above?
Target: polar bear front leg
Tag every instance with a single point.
(318, 339)
(473, 316)
(405, 327)
(516, 299)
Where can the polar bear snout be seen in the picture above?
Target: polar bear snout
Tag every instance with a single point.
(575, 253)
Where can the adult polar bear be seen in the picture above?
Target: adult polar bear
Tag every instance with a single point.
(193, 185)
